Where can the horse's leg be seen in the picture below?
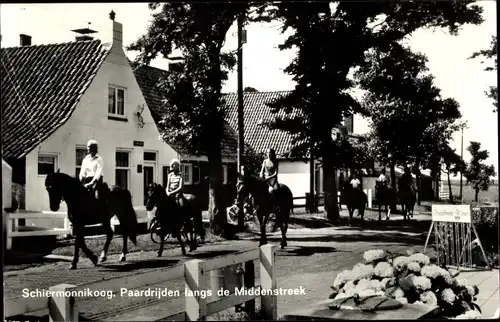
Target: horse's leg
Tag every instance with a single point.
(76, 253)
(181, 242)
(109, 237)
(362, 214)
(379, 211)
(162, 243)
(123, 256)
(351, 211)
(285, 217)
(80, 243)
(263, 222)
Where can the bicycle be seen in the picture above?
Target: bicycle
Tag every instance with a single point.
(155, 231)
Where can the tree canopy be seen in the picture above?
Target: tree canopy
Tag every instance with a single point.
(193, 116)
(478, 174)
(488, 55)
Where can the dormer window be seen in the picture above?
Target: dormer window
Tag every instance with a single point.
(116, 101)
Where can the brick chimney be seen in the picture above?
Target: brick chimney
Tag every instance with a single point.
(24, 40)
(117, 33)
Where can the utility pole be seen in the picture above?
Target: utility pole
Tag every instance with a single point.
(462, 158)
(241, 144)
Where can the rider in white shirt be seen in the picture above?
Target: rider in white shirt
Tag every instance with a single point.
(91, 170)
(383, 178)
(355, 181)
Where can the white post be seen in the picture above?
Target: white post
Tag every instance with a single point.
(68, 226)
(194, 277)
(268, 281)
(62, 308)
(9, 230)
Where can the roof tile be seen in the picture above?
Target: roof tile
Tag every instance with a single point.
(41, 86)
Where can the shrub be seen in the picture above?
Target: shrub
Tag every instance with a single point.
(486, 222)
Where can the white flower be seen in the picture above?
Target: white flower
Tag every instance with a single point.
(361, 271)
(349, 285)
(383, 269)
(422, 283)
(470, 290)
(430, 271)
(420, 258)
(342, 278)
(401, 262)
(402, 300)
(414, 267)
(398, 292)
(448, 296)
(373, 255)
(419, 303)
(429, 298)
(375, 285)
(362, 285)
(459, 283)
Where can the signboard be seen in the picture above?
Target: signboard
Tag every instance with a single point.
(138, 143)
(452, 213)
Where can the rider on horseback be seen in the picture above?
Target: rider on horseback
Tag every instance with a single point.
(91, 170)
(269, 173)
(406, 179)
(175, 183)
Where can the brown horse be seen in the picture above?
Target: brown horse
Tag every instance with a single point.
(262, 202)
(185, 221)
(84, 209)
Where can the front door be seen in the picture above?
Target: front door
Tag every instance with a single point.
(149, 175)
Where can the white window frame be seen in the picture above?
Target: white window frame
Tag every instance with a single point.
(116, 88)
(129, 168)
(187, 168)
(225, 174)
(156, 174)
(79, 166)
(50, 155)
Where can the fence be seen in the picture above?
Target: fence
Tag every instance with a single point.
(320, 199)
(12, 226)
(194, 272)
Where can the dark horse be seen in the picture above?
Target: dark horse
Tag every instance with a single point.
(407, 198)
(354, 199)
(84, 209)
(264, 205)
(387, 197)
(187, 222)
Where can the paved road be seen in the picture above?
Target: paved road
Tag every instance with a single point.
(311, 260)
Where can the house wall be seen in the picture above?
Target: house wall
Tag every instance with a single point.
(90, 120)
(295, 174)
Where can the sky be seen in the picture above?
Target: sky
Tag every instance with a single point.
(263, 63)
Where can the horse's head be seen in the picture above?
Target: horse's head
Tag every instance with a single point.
(154, 195)
(54, 187)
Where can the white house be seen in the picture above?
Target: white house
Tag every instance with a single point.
(56, 97)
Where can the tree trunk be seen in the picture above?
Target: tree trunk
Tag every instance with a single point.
(329, 186)
(449, 185)
(216, 207)
(417, 178)
(477, 195)
(393, 176)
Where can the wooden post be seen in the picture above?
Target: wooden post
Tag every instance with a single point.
(8, 232)
(68, 226)
(369, 198)
(249, 282)
(62, 308)
(268, 282)
(194, 276)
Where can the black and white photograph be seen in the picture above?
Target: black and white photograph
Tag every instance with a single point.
(250, 160)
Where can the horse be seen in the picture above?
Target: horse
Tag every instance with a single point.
(84, 209)
(188, 220)
(264, 204)
(407, 198)
(354, 199)
(387, 197)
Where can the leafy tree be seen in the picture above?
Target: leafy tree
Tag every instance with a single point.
(253, 160)
(488, 54)
(250, 89)
(193, 116)
(477, 173)
(410, 119)
(322, 66)
(453, 165)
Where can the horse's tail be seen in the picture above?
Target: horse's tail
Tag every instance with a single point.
(126, 214)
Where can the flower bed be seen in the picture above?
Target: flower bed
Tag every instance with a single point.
(408, 279)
